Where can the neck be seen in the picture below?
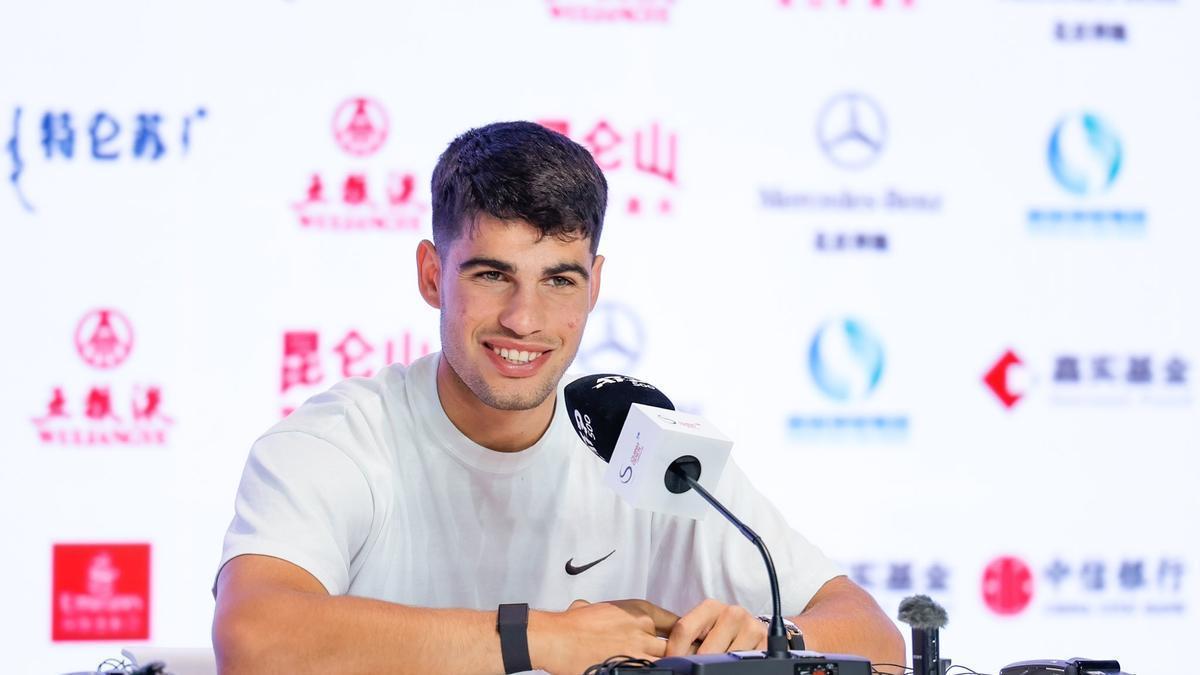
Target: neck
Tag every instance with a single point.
(494, 429)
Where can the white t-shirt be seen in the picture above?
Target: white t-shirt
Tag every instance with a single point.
(371, 489)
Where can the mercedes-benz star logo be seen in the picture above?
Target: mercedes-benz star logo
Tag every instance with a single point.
(613, 341)
(851, 130)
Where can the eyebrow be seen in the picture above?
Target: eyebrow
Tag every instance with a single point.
(479, 261)
(561, 268)
(507, 268)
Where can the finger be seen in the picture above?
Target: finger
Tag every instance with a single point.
(726, 628)
(693, 626)
(664, 620)
(750, 637)
(655, 649)
(579, 603)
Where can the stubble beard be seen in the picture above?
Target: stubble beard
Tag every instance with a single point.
(483, 391)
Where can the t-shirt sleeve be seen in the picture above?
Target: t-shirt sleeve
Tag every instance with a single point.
(695, 560)
(303, 500)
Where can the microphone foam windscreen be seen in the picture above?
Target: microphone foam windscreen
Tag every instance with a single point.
(921, 612)
(599, 404)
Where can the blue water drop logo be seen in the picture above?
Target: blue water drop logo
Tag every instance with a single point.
(1084, 154)
(846, 360)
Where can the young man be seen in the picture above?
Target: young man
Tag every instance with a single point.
(381, 525)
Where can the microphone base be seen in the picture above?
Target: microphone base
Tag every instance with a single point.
(758, 663)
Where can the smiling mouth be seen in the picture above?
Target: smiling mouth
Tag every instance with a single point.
(514, 355)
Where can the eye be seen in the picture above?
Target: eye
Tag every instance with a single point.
(562, 282)
(490, 275)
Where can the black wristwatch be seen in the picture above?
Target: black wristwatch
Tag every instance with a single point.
(512, 623)
(795, 637)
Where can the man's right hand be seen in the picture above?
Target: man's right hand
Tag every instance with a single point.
(588, 633)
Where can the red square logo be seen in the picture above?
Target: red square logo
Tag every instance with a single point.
(101, 592)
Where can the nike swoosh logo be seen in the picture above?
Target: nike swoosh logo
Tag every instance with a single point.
(573, 570)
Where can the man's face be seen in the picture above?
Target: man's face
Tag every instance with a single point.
(513, 309)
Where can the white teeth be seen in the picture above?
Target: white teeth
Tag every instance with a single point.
(515, 356)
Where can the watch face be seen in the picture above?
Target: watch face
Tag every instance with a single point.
(791, 627)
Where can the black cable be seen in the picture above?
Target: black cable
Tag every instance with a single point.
(621, 661)
(973, 672)
(114, 666)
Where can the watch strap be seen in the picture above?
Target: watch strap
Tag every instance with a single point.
(512, 623)
(794, 634)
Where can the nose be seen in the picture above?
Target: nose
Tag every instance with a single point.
(523, 313)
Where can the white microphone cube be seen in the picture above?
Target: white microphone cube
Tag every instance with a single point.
(651, 439)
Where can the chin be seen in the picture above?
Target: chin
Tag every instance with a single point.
(525, 397)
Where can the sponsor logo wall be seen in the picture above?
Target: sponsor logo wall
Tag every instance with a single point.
(933, 261)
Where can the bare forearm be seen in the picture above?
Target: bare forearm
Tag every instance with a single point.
(298, 632)
(848, 621)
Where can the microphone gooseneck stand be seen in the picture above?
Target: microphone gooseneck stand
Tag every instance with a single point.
(682, 475)
(777, 640)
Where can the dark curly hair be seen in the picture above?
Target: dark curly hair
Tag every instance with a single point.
(518, 170)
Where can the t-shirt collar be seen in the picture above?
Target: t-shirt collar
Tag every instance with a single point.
(421, 384)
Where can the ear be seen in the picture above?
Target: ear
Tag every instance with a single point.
(597, 266)
(429, 271)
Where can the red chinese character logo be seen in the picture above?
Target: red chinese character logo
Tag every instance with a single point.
(301, 362)
(407, 350)
(99, 404)
(147, 403)
(401, 188)
(57, 407)
(104, 338)
(360, 126)
(652, 156)
(353, 349)
(316, 189)
(355, 189)
(601, 140)
(561, 126)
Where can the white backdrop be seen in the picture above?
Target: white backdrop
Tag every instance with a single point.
(855, 173)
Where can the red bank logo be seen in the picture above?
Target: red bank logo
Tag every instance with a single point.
(362, 198)
(107, 413)
(997, 379)
(609, 11)
(641, 164)
(1109, 379)
(1007, 586)
(101, 592)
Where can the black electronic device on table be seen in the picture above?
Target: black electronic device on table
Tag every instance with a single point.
(1075, 666)
(793, 662)
(600, 404)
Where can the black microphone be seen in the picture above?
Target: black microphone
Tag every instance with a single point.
(600, 405)
(926, 618)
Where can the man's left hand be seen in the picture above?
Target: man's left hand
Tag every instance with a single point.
(713, 627)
